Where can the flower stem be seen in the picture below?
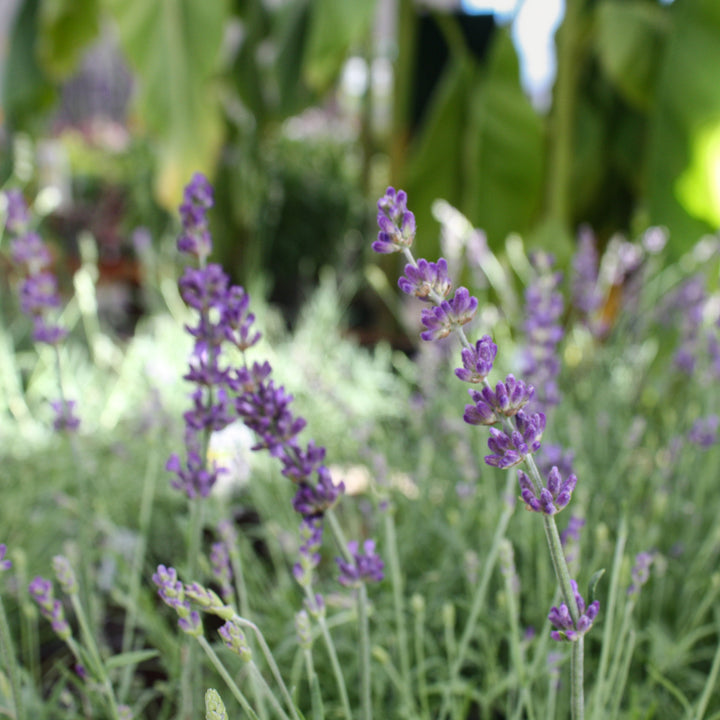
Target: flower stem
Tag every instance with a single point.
(478, 599)
(10, 662)
(365, 673)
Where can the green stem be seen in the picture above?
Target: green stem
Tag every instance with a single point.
(332, 654)
(418, 604)
(396, 578)
(577, 701)
(365, 674)
(10, 661)
(225, 675)
(599, 697)
(478, 599)
(146, 506)
(271, 663)
(94, 654)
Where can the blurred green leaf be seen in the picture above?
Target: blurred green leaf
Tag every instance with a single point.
(436, 165)
(687, 110)
(27, 91)
(336, 27)
(174, 48)
(66, 28)
(629, 39)
(505, 149)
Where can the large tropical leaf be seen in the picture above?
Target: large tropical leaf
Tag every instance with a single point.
(66, 28)
(27, 91)
(629, 39)
(336, 27)
(682, 187)
(174, 48)
(505, 140)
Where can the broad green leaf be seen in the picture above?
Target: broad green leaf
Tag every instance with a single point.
(504, 150)
(27, 91)
(681, 173)
(174, 48)
(436, 163)
(66, 28)
(629, 40)
(336, 27)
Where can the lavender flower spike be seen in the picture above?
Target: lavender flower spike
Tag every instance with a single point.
(4, 564)
(396, 222)
(560, 618)
(510, 450)
(425, 279)
(477, 361)
(195, 237)
(365, 565)
(552, 498)
(449, 315)
(41, 591)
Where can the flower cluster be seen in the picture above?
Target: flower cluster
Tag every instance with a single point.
(515, 428)
(550, 499)
(5, 564)
(543, 311)
(223, 393)
(41, 591)
(38, 292)
(364, 566)
(172, 593)
(586, 295)
(567, 629)
(641, 572)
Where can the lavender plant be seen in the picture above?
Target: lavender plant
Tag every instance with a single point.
(514, 433)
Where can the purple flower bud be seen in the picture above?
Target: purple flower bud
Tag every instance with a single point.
(234, 638)
(312, 501)
(552, 498)
(396, 223)
(65, 575)
(510, 450)
(4, 563)
(195, 237)
(561, 619)
(449, 315)
(31, 253)
(477, 361)
(65, 417)
(366, 566)
(704, 433)
(640, 572)
(17, 212)
(426, 278)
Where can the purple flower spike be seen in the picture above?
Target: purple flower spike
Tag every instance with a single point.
(65, 417)
(510, 450)
(396, 223)
(477, 361)
(640, 572)
(704, 433)
(365, 566)
(426, 279)
(195, 237)
(552, 498)
(507, 400)
(561, 619)
(312, 501)
(4, 563)
(170, 589)
(41, 591)
(17, 212)
(449, 315)
(31, 253)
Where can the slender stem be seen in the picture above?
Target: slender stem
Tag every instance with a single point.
(365, 672)
(598, 701)
(7, 648)
(190, 681)
(234, 689)
(396, 579)
(146, 506)
(94, 653)
(577, 701)
(334, 662)
(478, 599)
(271, 663)
(418, 604)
